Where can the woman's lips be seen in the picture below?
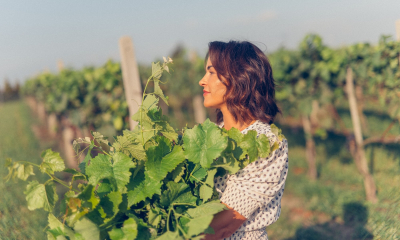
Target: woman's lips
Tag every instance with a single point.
(205, 92)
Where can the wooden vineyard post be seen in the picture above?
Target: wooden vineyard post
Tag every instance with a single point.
(310, 148)
(68, 137)
(398, 34)
(41, 111)
(199, 111)
(52, 125)
(130, 76)
(60, 65)
(359, 153)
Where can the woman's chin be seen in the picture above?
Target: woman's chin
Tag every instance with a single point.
(208, 105)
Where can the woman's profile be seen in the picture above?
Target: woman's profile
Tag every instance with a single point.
(238, 83)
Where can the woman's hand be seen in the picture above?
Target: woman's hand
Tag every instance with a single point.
(225, 223)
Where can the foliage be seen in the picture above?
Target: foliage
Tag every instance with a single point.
(94, 97)
(150, 183)
(91, 97)
(317, 72)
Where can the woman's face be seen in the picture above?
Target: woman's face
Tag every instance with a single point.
(213, 88)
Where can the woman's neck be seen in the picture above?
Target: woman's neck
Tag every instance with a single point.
(230, 122)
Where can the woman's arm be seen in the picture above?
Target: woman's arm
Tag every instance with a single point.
(225, 223)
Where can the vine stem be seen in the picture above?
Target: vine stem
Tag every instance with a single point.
(197, 179)
(105, 152)
(81, 152)
(183, 232)
(140, 109)
(29, 163)
(168, 218)
(61, 182)
(184, 204)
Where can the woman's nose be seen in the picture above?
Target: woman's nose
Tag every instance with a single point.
(202, 82)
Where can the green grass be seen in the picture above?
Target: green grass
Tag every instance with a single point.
(18, 142)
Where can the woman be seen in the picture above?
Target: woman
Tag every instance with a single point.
(239, 84)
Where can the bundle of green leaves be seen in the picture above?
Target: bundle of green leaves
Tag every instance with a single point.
(151, 183)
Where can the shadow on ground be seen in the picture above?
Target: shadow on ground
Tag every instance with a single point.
(355, 216)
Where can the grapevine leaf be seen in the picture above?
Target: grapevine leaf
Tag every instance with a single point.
(24, 171)
(143, 230)
(235, 135)
(198, 174)
(177, 193)
(127, 232)
(104, 188)
(278, 132)
(71, 170)
(263, 146)
(41, 196)
(146, 124)
(169, 236)
(116, 234)
(250, 144)
(165, 129)
(121, 166)
(204, 143)
(74, 204)
(88, 197)
(87, 229)
(54, 223)
(130, 229)
(110, 204)
(255, 146)
(101, 167)
(161, 124)
(230, 164)
(100, 138)
(209, 208)
(199, 225)
(56, 234)
(150, 102)
(210, 177)
(159, 92)
(52, 162)
(128, 145)
(205, 192)
(146, 189)
(154, 217)
(156, 70)
(157, 165)
(275, 146)
(198, 237)
(183, 221)
(177, 174)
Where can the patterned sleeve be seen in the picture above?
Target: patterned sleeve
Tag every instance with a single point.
(258, 185)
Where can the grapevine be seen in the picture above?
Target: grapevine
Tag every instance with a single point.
(150, 183)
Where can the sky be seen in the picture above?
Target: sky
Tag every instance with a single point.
(35, 35)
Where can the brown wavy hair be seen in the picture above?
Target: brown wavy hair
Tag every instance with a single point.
(247, 74)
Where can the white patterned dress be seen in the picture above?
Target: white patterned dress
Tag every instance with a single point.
(256, 190)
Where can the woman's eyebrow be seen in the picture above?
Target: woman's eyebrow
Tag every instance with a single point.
(210, 66)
